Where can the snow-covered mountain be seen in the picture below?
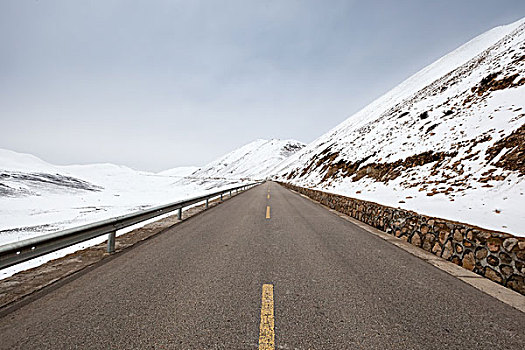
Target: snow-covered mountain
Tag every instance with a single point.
(180, 171)
(449, 141)
(27, 175)
(255, 160)
(37, 197)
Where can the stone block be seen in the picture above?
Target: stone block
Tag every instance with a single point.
(469, 261)
(481, 253)
(494, 244)
(510, 243)
(492, 274)
(492, 260)
(416, 240)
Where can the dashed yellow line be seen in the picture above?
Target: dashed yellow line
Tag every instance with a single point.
(266, 329)
(268, 196)
(267, 211)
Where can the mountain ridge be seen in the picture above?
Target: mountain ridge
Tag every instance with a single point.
(448, 147)
(253, 160)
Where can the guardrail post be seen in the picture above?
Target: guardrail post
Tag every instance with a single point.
(111, 241)
(18, 252)
(206, 203)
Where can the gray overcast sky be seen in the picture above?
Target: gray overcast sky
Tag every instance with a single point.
(159, 84)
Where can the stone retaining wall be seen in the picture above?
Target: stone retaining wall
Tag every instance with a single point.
(495, 255)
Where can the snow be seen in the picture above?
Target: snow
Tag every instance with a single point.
(80, 194)
(14, 161)
(392, 128)
(254, 160)
(38, 198)
(43, 198)
(180, 171)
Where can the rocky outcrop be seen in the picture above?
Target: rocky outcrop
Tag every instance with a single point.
(495, 255)
(15, 183)
(511, 151)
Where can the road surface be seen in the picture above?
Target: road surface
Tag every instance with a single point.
(266, 269)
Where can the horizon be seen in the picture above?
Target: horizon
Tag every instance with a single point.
(142, 170)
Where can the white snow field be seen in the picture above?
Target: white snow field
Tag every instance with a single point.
(37, 197)
(180, 172)
(253, 160)
(447, 142)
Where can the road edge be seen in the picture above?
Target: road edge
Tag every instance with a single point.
(24, 298)
(495, 290)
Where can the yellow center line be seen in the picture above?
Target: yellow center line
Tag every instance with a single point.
(268, 196)
(266, 330)
(267, 211)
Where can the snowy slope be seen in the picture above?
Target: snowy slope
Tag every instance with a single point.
(180, 171)
(27, 175)
(37, 197)
(22, 162)
(254, 160)
(448, 141)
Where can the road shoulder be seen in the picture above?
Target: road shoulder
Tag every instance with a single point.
(481, 283)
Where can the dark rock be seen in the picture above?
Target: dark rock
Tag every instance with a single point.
(506, 270)
(481, 253)
(468, 260)
(517, 283)
(505, 258)
(493, 275)
(494, 244)
(458, 237)
(509, 244)
(416, 240)
(492, 260)
(520, 265)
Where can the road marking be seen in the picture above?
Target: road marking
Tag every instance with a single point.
(267, 211)
(268, 196)
(266, 330)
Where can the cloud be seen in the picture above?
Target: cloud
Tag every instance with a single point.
(158, 84)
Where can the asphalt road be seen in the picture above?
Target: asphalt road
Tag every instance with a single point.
(199, 286)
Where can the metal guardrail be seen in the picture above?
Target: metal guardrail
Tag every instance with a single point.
(17, 252)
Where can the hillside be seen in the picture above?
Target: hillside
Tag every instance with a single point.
(254, 160)
(37, 197)
(449, 141)
(27, 175)
(180, 171)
